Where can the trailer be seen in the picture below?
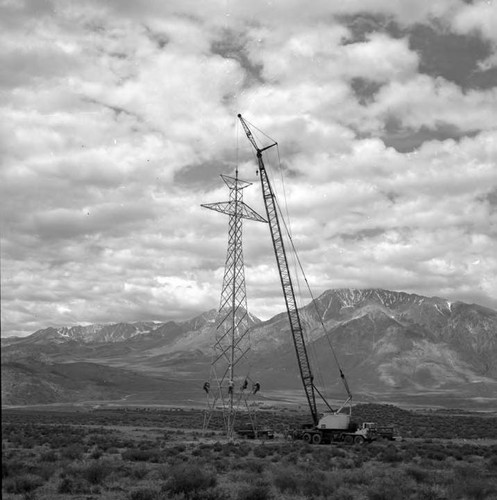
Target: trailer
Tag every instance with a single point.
(251, 433)
(387, 432)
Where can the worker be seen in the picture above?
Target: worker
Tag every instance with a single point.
(256, 387)
(245, 385)
(207, 386)
(230, 387)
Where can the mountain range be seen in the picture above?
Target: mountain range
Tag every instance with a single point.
(392, 347)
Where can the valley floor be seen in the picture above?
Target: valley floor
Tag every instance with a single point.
(151, 454)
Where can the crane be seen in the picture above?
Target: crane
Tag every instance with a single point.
(285, 276)
(333, 426)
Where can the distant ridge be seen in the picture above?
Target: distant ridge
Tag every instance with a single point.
(392, 345)
(93, 333)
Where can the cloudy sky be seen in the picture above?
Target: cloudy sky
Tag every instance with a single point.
(118, 117)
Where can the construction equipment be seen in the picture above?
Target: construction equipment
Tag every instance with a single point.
(251, 433)
(333, 425)
(387, 432)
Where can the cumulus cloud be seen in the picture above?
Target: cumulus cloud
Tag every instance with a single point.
(479, 16)
(117, 118)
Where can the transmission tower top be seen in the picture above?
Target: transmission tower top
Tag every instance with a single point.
(235, 206)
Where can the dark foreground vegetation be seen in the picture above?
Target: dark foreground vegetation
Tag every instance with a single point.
(150, 455)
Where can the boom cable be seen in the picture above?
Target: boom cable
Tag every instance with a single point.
(342, 375)
(295, 253)
(260, 131)
(287, 222)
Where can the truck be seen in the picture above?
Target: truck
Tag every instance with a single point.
(329, 430)
(334, 425)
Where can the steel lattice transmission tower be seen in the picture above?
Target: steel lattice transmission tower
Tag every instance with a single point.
(230, 384)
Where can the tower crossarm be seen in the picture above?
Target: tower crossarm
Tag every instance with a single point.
(235, 207)
(241, 210)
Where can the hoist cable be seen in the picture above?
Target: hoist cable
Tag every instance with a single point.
(342, 375)
(311, 347)
(237, 143)
(284, 188)
(288, 232)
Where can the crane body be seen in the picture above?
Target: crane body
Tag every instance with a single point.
(333, 425)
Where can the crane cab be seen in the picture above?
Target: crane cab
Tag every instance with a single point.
(338, 421)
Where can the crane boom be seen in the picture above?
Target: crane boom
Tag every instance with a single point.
(285, 277)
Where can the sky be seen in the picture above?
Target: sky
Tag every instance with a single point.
(118, 117)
